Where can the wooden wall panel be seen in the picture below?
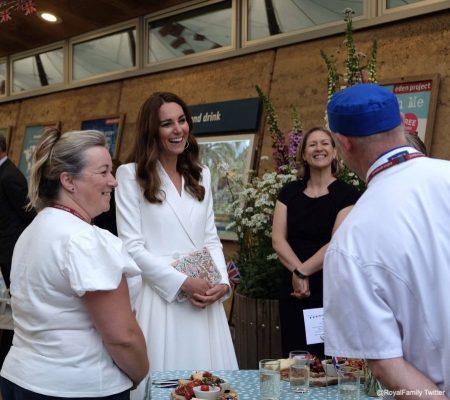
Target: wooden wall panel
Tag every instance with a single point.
(9, 113)
(69, 108)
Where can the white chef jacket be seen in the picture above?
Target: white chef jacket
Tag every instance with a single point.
(387, 271)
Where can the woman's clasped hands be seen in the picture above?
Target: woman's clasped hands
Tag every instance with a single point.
(202, 293)
(301, 287)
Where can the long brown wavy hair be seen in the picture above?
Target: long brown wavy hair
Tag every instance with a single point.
(146, 150)
(303, 171)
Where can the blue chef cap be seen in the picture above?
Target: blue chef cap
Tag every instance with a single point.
(363, 110)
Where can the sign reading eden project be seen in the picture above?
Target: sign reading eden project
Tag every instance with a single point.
(417, 98)
(414, 100)
(232, 153)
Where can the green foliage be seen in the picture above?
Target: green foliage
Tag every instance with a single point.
(355, 70)
(351, 178)
(352, 68)
(333, 75)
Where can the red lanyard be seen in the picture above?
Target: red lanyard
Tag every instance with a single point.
(394, 161)
(70, 210)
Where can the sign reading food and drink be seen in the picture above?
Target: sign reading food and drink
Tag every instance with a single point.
(227, 116)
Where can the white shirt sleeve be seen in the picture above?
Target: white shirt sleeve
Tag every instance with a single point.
(358, 319)
(156, 270)
(96, 260)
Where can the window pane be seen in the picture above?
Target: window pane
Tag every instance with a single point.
(190, 33)
(399, 3)
(39, 70)
(2, 78)
(105, 54)
(272, 17)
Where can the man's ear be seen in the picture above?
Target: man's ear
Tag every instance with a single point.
(344, 142)
(66, 180)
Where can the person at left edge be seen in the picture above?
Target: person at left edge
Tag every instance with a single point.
(14, 218)
(75, 333)
(165, 211)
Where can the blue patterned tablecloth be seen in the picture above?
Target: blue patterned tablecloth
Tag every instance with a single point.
(246, 383)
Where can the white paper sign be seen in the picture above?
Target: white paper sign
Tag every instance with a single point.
(313, 325)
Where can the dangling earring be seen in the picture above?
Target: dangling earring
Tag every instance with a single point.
(334, 165)
(187, 144)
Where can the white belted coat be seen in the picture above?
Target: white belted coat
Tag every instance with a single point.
(179, 335)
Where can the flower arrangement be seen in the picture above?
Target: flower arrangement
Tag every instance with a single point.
(252, 210)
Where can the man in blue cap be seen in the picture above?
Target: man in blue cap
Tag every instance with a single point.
(387, 268)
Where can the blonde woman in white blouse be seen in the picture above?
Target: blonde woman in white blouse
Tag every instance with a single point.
(72, 283)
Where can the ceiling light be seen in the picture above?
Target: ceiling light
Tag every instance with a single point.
(49, 17)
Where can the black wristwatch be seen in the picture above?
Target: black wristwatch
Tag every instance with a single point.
(299, 274)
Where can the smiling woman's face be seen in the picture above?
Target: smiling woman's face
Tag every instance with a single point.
(93, 187)
(319, 150)
(173, 129)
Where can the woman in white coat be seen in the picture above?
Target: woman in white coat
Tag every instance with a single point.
(164, 212)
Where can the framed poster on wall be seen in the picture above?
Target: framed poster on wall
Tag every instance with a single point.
(6, 132)
(31, 137)
(417, 97)
(111, 126)
(233, 153)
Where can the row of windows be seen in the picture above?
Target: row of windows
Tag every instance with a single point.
(185, 33)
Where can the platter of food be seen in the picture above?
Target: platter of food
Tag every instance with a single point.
(318, 376)
(203, 385)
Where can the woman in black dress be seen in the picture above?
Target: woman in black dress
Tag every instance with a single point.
(306, 214)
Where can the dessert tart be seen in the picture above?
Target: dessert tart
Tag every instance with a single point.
(228, 394)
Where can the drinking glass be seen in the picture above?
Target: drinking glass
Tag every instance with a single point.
(348, 383)
(299, 371)
(269, 379)
(330, 370)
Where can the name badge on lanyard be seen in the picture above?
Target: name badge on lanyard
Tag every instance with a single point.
(394, 160)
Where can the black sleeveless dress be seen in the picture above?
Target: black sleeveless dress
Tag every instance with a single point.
(310, 223)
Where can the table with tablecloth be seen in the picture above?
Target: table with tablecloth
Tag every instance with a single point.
(246, 383)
